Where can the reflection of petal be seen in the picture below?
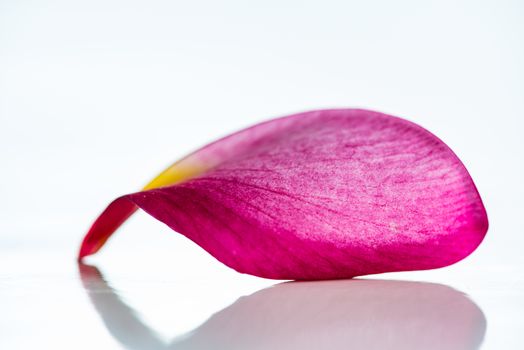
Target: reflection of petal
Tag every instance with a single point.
(356, 314)
(121, 321)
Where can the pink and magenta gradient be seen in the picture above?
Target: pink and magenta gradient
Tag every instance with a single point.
(317, 195)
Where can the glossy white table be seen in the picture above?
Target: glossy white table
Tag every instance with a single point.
(168, 293)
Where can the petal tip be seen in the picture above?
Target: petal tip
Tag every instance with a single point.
(107, 223)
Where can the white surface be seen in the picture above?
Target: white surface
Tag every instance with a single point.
(96, 97)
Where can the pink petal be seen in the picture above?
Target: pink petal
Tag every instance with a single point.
(319, 195)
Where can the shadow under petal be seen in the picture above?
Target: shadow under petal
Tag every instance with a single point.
(356, 314)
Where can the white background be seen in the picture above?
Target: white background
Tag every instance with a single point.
(96, 97)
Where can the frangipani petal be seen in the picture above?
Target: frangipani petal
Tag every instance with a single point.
(317, 195)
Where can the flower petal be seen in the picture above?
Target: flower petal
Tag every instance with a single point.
(317, 195)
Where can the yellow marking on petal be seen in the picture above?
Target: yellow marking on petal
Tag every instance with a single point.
(176, 173)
